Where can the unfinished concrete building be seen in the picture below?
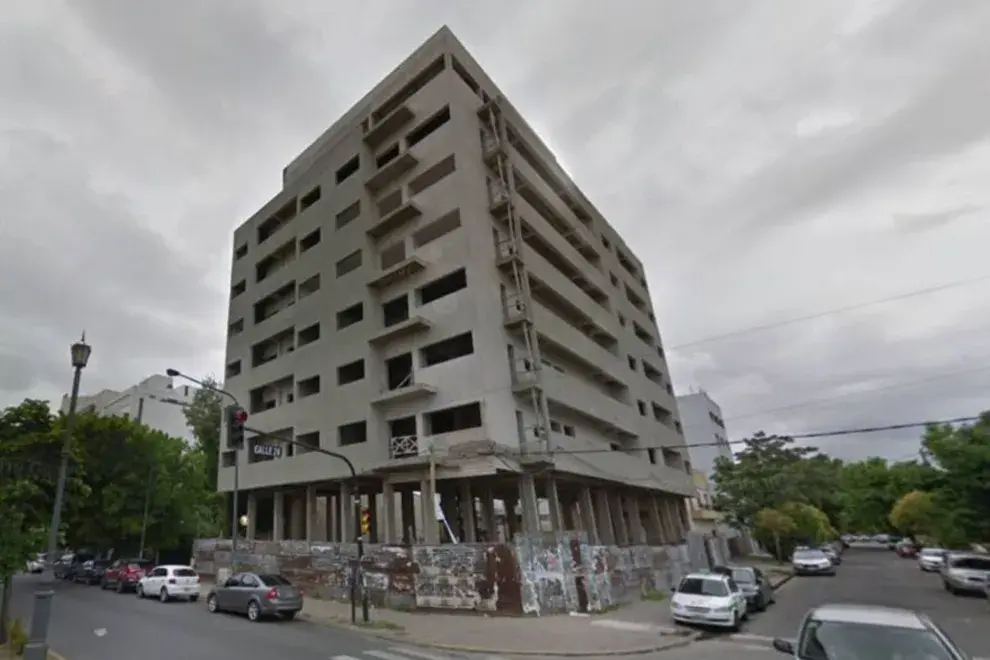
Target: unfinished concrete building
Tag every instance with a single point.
(432, 296)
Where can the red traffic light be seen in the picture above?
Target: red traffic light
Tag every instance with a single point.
(240, 416)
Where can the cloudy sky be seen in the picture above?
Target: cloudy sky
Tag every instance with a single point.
(781, 159)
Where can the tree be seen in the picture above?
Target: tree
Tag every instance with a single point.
(773, 525)
(811, 524)
(768, 472)
(203, 416)
(914, 514)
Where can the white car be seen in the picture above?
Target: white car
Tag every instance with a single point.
(36, 565)
(710, 599)
(931, 559)
(168, 582)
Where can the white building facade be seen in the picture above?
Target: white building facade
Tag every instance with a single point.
(156, 402)
(704, 430)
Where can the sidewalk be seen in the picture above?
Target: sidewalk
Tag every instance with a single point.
(557, 635)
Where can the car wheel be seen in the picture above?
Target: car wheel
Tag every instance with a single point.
(139, 590)
(736, 622)
(211, 604)
(949, 588)
(253, 611)
(193, 599)
(120, 587)
(103, 585)
(761, 604)
(163, 595)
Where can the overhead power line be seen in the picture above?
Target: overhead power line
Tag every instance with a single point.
(796, 436)
(829, 312)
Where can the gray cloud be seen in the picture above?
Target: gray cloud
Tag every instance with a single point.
(778, 160)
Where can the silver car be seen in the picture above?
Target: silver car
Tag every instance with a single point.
(753, 583)
(931, 559)
(812, 562)
(866, 631)
(258, 595)
(965, 573)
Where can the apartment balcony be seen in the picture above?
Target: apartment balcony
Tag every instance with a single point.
(601, 364)
(390, 171)
(393, 220)
(388, 126)
(404, 394)
(399, 330)
(567, 391)
(386, 277)
(403, 446)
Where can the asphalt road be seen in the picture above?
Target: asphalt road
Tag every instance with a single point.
(91, 624)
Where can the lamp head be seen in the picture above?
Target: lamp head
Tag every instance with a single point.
(80, 352)
(172, 373)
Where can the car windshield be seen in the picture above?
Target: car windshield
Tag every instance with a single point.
(274, 580)
(702, 587)
(830, 640)
(809, 554)
(932, 552)
(184, 572)
(742, 575)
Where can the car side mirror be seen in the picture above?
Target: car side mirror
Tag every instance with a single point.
(784, 645)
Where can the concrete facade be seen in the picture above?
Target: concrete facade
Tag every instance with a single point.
(430, 294)
(156, 402)
(704, 429)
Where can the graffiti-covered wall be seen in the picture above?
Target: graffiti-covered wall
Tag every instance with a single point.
(538, 574)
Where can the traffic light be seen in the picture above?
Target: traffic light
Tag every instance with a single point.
(236, 416)
(365, 522)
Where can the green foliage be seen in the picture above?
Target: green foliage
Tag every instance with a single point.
(914, 514)
(16, 636)
(204, 416)
(772, 528)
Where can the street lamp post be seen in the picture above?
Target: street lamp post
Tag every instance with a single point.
(175, 373)
(37, 645)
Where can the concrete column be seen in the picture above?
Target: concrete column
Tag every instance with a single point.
(427, 504)
(673, 523)
(330, 516)
(311, 518)
(466, 500)
(407, 531)
(488, 514)
(654, 525)
(252, 516)
(530, 506)
(346, 514)
(297, 517)
(586, 509)
(448, 504)
(387, 528)
(637, 536)
(618, 519)
(606, 532)
(374, 524)
(557, 523)
(511, 522)
(278, 516)
(569, 511)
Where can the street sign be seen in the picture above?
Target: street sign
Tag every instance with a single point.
(271, 451)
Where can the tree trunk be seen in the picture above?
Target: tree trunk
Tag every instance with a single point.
(776, 543)
(7, 587)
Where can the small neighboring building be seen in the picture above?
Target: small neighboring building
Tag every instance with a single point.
(704, 517)
(704, 430)
(155, 402)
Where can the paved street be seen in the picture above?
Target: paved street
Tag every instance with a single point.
(90, 624)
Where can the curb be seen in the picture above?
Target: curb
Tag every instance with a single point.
(682, 640)
(55, 656)
(784, 581)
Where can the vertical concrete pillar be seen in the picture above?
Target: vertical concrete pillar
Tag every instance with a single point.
(346, 514)
(488, 514)
(297, 517)
(557, 523)
(278, 516)
(618, 519)
(448, 504)
(466, 500)
(311, 514)
(330, 518)
(427, 504)
(375, 523)
(408, 505)
(252, 516)
(511, 521)
(586, 509)
(569, 511)
(387, 528)
(606, 532)
(637, 535)
(530, 505)
(654, 525)
(684, 509)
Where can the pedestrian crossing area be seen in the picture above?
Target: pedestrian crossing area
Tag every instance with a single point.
(407, 653)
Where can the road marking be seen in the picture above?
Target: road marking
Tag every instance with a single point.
(342, 657)
(384, 655)
(748, 637)
(416, 653)
(630, 626)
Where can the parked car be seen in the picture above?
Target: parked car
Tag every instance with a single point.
(36, 565)
(753, 583)
(710, 599)
(124, 574)
(168, 582)
(865, 631)
(931, 559)
(812, 562)
(258, 595)
(91, 572)
(832, 555)
(61, 565)
(906, 548)
(965, 573)
(892, 542)
(71, 564)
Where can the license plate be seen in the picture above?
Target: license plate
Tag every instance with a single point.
(697, 609)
